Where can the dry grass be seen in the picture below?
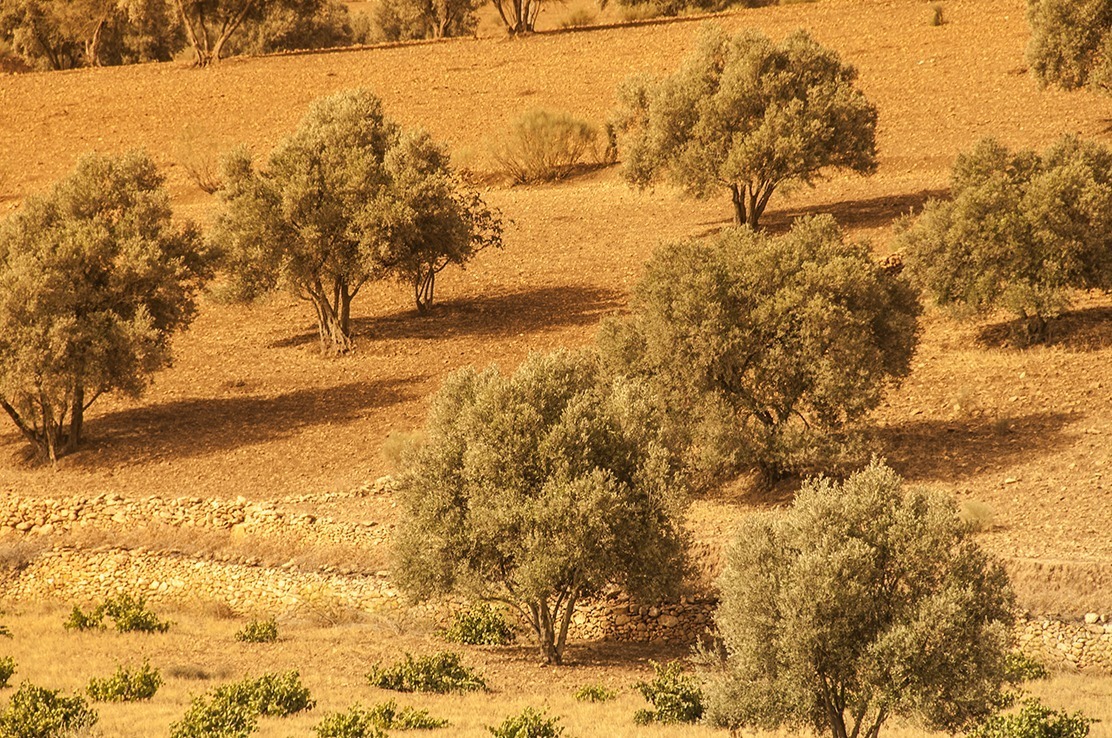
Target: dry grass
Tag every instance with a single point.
(199, 653)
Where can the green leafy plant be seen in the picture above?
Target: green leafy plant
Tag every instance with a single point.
(126, 685)
(131, 615)
(35, 712)
(259, 631)
(676, 697)
(543, 146)
(1034, 720)
(529, 724)
(1020, 668)
(481, 625)
(232, 710)
(360, 722)
(595, 693)
(440, 673)
(80, 620)
(7, 668)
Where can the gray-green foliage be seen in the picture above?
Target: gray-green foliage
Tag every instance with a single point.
(542, 146)
(863, 601)
(537, 489)
(676, 697)
(35, 712)
(95, 278)
(1034, 720)
(529, 723)
(360, 722)
(1070, 42)
(126, 685)
(595, 693)
(403, 20)
(1021, 230)
(259, 631)
(765, 349)
(348, 199)
(747, 115)
(439, 673)
(481, 625)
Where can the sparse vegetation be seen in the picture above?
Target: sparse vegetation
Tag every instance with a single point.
(259, 631)
(676, 697)
(232, 710)
(7, 669)
(1020, 232)
(1034, 720)
(542, 146)
(529, 723)
(130, 614)
(766, 349)
(35, 712)
(513, 492)
(360, 722)
(126, 685)
(95, 278)
(749, 115)
(440, 673)
(595, 693)
(862, 602)
(386, 203)
(482, 625)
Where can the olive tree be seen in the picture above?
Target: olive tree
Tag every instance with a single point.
(1070, 43)
(403, 20)
(348, 199)
(95, 278)
(766, 348)
(1020, 231)
(749, 116)
(862, 602)
(537, 489)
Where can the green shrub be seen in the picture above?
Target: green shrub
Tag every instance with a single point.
(359, 722)
(129, 613)
(7, 668)
(675, 697)
(482, 625)
(1034, 720)
(440, 673)
(231, 710)
(34, 712)
(529, 724)
(594, 693)
(1019, 668)
(259, 631)
(126, 685)
(543, 146)
(4, 632)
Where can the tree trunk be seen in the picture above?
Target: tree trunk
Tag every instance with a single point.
(77, 417)
(741, 216)
(750, 201)
(424, 287)
(333, 317)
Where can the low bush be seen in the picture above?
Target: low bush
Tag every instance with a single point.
(594, 693)
(482, 625)
(529, 724)
(1022, 668)
(34, 712)
(130, 614)
(7, 668)
(579, 18)
(440, 673)
(543, 146)
(360, 722)
(259, 631)
(1034, 720)
(232, 710)
(126, 685)
(675, 696)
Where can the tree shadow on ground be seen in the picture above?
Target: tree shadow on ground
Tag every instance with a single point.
(202, 426)
(598, 653)
(495, 316)
(871, 212)
(1087, 329)
(949, 450)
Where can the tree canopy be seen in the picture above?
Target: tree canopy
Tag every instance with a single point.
(749, 116)
(94, 280)
(537, 489)
(861, 602)
(1021, 230)
(766, 348)
(1070, 43)
(348, 199)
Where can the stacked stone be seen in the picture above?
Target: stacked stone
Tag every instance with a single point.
(618, 618)
(1086, 645)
